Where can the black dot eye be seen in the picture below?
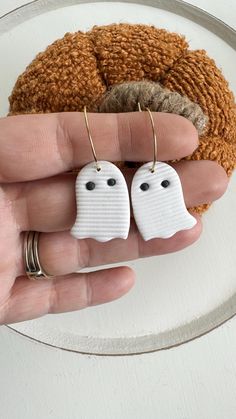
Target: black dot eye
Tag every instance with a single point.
(111, 182)
(165, 183)
(90, 186)
(144, 186)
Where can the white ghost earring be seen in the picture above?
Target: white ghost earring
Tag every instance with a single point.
(102, 200)
(157, 199)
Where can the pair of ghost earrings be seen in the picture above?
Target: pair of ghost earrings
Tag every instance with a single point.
(103, 205)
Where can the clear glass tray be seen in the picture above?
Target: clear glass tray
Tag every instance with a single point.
(177, 297)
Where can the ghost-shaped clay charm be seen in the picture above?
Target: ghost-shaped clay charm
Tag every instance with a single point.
(158, 203)
(102, 200)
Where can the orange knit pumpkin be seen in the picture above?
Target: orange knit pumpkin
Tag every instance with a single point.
(79, 68)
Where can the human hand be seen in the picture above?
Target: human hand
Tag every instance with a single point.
(37, 194)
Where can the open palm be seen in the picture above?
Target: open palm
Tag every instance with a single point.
(37, 193)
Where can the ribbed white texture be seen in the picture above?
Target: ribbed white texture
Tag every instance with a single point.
(104, 212)
(159, 212)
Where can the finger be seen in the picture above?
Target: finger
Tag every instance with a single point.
(61, 254)
(39, 146)
(49, 205)
(31, 299)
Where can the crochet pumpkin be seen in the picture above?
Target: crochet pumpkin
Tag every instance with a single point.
(95, 67)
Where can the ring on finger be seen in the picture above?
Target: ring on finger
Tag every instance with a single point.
(33, 267)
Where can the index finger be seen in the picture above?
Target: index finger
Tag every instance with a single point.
(39, 146)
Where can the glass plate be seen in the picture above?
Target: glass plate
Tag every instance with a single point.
(177, 297)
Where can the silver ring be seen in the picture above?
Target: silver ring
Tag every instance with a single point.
(33, 266)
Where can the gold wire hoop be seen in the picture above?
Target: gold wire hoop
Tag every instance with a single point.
(90, 139)
(139, 107)
(154, 138)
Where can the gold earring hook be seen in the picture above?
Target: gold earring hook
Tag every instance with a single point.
(154, 138)
(139, 107)
(90, 139)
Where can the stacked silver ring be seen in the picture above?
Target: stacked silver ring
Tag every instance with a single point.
(33, 266)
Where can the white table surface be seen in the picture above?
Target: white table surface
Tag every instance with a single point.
(195, 380)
